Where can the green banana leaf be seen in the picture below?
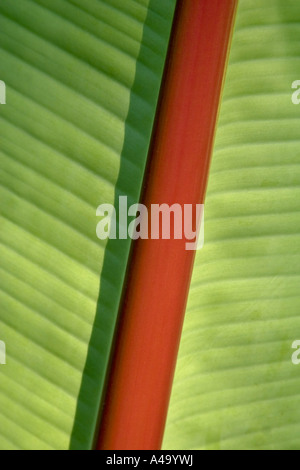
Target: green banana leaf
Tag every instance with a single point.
(235, 385)
(82, 79)
(82, 84)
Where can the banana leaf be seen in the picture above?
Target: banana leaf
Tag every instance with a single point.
(82, 82)
(236, 386)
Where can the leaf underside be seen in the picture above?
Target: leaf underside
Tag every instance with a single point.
(82, 85)
(235, 385)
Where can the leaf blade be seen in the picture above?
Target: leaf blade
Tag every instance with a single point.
(235, 386)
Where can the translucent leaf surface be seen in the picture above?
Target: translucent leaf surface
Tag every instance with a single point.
(236, 386)
(82, 81)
